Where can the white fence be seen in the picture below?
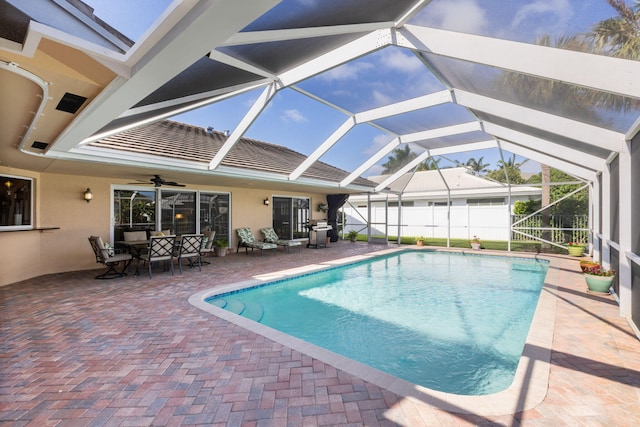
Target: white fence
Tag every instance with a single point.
(486, 222)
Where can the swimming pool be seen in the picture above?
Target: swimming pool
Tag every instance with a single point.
(431, 318)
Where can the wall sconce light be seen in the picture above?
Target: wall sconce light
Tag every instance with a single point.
(88, 196)
(266, 201)
(179, 216)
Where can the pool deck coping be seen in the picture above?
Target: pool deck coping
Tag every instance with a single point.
(528, 389)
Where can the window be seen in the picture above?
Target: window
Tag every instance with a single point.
(214, 214)
(486, 202)
(133, 210)
(178, 212)
(182, 212)
(16, 209)
(442, 203)
(405, 203)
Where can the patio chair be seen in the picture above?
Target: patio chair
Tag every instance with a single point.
(160, 249)
(106, 255)
(190, 247)
(247, 240)
(207, 244)
(271, 236)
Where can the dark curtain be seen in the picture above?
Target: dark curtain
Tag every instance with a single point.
(335, 202)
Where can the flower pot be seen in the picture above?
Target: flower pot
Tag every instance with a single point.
(575, 250)
(475, 246)
(599, 284)
(220, 251)
(420, 242)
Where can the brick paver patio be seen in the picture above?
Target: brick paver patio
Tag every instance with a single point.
(133, 352)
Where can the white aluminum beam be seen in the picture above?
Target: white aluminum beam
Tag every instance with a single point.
(266, 36)
(551, 63)
(589, 134)
(440, 132)
(160, 116)
(546, 159)
(625, 222)
(207, 24)
(223, 58)
(370, 162)
(472, 146)
(430, 100)
(323, 148)
(560, 151)
(257, 107)
(359, 47)
(406, 168)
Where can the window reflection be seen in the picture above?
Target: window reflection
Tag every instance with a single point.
(15, 201)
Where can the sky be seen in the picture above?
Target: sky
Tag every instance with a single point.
(300, 123)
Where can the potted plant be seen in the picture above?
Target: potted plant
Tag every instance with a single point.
(598, 279)
(586, 264)
(353, 235)
(220, 247)
(420, 240)
(475, 243)
(576, 248)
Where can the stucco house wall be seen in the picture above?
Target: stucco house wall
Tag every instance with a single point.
(58, 202)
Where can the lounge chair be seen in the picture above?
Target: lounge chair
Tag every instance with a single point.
(271, 236)
(106, 255)
(247, 240)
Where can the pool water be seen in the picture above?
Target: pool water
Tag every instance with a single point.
(447, 321)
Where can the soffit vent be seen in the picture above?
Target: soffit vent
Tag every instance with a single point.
(70, 103)
(39, 145)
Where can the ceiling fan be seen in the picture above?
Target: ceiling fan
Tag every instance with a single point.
(158, 181)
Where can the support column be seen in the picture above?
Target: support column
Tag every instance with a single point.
(606, 217)
(625, 220)
(594, 217)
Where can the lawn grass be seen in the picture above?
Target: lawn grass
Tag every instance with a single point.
(496, 245)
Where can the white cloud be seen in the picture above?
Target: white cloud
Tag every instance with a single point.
(349, 71)
(380, 98)
(466, 16)
(397, 59)
(293, 116)
(379, 141)
(550, 16)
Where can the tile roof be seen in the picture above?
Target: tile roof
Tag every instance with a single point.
(182, 141)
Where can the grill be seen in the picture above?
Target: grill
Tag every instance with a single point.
(318, 234)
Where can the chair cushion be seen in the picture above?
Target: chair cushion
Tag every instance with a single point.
(161, 233)
(130, 236)
(270, 235)
(246, 235)
(208, 239)
(108, 251)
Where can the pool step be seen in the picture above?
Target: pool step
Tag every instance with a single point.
(235, 306)
(218, 302)
(250, 310)
(253, 311)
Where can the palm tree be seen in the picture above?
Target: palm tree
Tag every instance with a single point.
(399, 158)
(510, 163)
(618, 37)
(477, 165)
(428, 165)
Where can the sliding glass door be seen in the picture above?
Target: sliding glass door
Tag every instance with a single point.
(290, 217)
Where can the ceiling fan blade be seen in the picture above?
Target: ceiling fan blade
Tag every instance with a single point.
(158, 181)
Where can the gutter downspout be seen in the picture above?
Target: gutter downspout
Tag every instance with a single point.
(44, 86)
